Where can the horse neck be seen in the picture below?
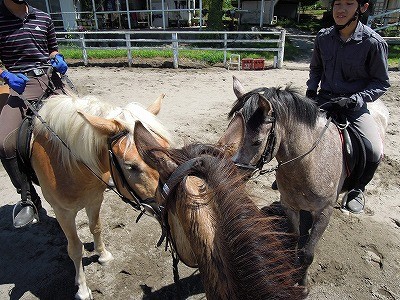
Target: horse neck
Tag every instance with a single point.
(202, 216)
(296, 139)
(226, 244)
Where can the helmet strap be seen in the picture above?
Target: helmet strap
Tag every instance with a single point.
(357, 14)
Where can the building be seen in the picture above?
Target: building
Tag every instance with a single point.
(131, 14)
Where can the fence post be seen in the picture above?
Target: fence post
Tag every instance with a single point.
(84, 52)
(128, 48)
(281, 46)
(225, 46)
(175, 49)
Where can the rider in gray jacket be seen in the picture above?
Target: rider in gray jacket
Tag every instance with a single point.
(349, 65)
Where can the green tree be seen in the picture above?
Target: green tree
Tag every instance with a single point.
(215, 15)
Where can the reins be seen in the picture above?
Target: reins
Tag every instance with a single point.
(270, 146)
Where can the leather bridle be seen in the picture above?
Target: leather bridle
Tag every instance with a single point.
(269, 148)
(144, 205)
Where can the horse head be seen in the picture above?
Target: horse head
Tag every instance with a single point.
(155, 155)
(134, 179)
(253, 119)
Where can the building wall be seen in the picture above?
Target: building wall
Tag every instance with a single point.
(253, 15)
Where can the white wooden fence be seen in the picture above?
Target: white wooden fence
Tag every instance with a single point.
(237, 41)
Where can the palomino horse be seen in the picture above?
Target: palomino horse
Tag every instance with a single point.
(73, 177)
(214, 225)
(310, 175)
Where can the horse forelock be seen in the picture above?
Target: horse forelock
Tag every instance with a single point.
(134, 112)
(255, 246)
(288, 104)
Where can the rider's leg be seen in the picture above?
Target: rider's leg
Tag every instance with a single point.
(368, 129)
(30, 201)
(10, 119)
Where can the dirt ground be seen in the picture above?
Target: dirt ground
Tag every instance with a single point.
(357, 258)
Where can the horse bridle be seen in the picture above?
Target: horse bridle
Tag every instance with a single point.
(165, 189)
(144, 205)
(268, 152)
(270, 147)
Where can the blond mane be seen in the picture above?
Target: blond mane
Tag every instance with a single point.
(60, 112)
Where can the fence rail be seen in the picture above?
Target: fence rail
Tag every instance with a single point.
(384, 20)
(273, 41)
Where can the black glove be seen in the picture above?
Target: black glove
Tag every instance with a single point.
(311, 94)
(346, 103)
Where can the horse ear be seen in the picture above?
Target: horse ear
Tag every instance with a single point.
(238, 88)
(265, 105)
(232, 138)
(155, 107)
(152, 152)
(104, 126)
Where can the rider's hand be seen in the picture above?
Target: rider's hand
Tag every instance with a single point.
(311, 94)
(16, 81)
(59, 63)
(346, 103)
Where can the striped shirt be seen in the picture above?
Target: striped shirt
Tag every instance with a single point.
(26, 43)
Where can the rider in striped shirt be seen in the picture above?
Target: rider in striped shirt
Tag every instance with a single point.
(30, 62)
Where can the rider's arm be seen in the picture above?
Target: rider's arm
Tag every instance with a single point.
(377, 65)
(316, 68)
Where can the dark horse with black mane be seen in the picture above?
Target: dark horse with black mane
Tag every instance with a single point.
(214, 225)
(311, 171)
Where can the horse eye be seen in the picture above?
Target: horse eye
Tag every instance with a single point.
(257, 143)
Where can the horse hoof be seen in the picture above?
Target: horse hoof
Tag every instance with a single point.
(105, 258)
(87, 295)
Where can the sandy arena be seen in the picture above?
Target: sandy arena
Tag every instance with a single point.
(357, 258)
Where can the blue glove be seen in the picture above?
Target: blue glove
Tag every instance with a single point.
(59, 63)
(16, 81)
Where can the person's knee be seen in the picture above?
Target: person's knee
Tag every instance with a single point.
(8, 146)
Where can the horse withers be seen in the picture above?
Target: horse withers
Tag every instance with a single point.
(70, 156)
(214, 225)
(311, 168)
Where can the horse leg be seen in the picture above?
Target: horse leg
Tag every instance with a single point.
(320, 222)
(93, 213)
(66, 219)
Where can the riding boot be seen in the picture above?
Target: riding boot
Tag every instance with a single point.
(355, 197)
(30, 201)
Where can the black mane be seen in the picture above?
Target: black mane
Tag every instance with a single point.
(289, 105)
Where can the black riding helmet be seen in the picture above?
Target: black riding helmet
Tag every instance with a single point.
(18, 1)
(356, 16)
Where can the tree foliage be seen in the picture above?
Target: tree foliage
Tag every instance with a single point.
(215, 15)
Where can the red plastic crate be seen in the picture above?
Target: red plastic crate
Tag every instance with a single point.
(258, 64)
(247, 64)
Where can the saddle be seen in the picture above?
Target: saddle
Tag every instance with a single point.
(353, 151)
(24, 149)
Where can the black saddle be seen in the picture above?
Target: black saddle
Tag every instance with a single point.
(24, 151)
(354, 154)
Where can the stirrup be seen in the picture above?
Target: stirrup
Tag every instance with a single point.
(344, 206)
(19, 206)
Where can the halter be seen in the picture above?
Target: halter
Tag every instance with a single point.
(144, 205)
